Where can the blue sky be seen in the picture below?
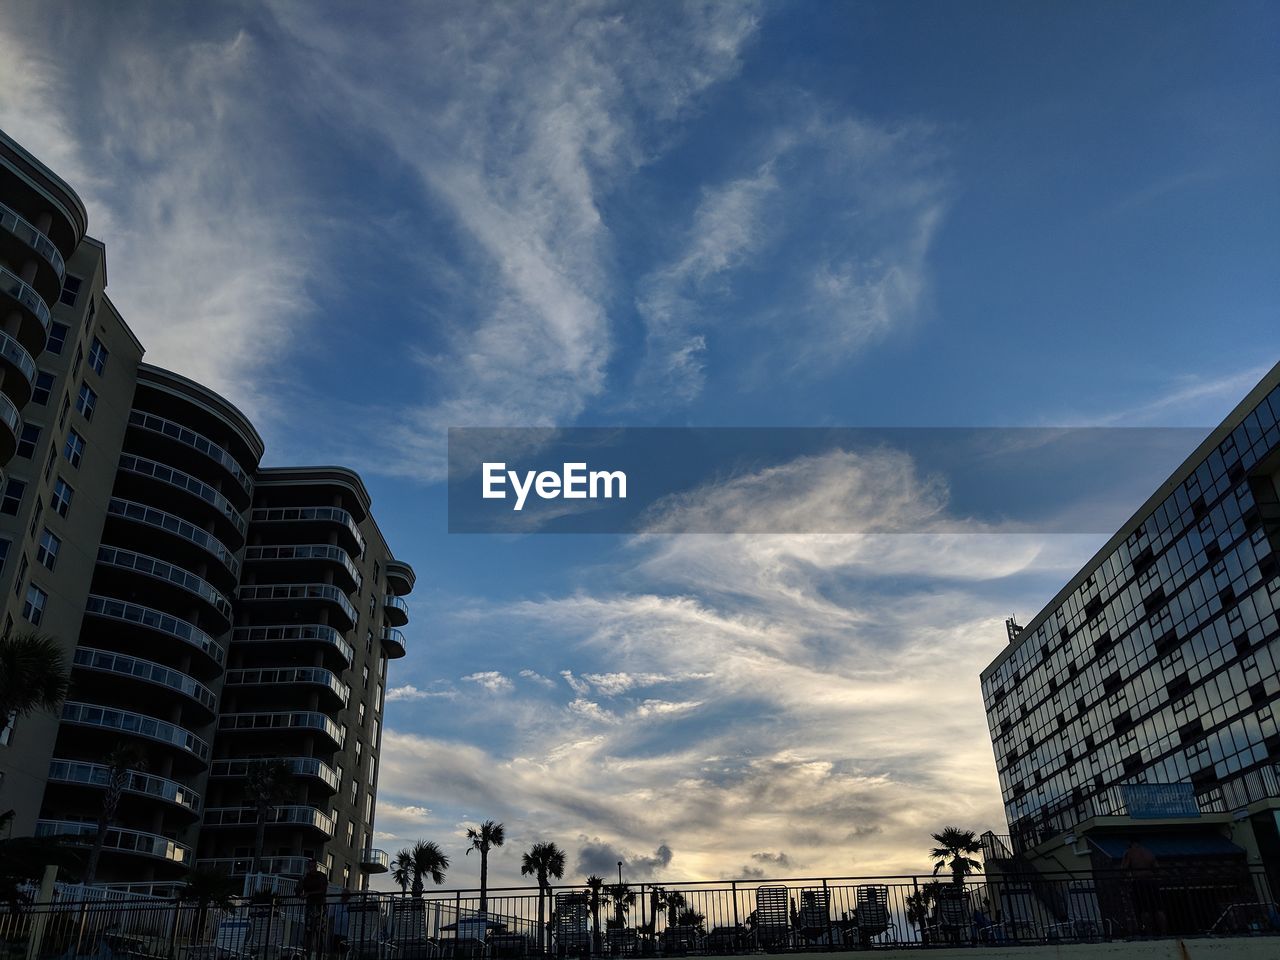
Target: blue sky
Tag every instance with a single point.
(366, 226)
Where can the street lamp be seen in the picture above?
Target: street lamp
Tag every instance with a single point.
(619, 873)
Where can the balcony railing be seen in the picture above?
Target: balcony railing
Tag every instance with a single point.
(138, 724)
(397, 609)
(296, 633)
(307, 551)
(394, 641)
(282, 720)
(375, 861)
(25, 294)
(18, 355)
(171, 523)
(107, 661)
(239, 866)
(298, 815)
(160, 570)
(21, 228)
(161, 622)
(299, 766)
(198, 442)
(300, 591)
(98, 775)
(185, 482)
(119, 839)
(286, 676)
(296, 514)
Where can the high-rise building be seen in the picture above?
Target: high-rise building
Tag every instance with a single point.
(1145, 695)
(216, 613)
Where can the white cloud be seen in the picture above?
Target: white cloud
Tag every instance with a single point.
(491, 680)
(409, 692)
(535, 677)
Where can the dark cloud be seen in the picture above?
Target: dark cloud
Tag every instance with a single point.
(601, 858)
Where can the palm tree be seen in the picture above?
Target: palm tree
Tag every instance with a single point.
(595, 885)
(920, 907)
(33, 675)
(954, 846)
(489, 834)
(268, 784)
(123, 759)
(208, 888)
(688, 917)
(427, 858)
(402, 872)
(671, 902)
(622, 897)
(545, 860)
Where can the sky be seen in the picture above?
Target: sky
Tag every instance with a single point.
(366, 225)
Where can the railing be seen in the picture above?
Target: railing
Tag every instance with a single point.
(25, 231)
(276, 676)
(188, 437)
(299, 766)
(171, 523)
(300, 591)
(113, 609)
(118, 839)
(296, 514)
(293, 814)
(9, 414)
(19, 356)
(160, 570)
(108, 661)
(375, 861)
(295, 633)
(307, 551)
(138, 724)
(187, 483)
(283, 720)
(146, 784)
(394, 638)
(667, 919)
(25, 294)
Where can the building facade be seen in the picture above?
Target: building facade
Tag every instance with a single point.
(1145, 695)
(215, 613)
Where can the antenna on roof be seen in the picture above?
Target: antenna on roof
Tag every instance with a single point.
(1013, 628)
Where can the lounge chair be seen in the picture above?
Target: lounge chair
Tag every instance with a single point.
(871, 913)
(1084, 914)
(952, 916)
(773, 917)
(571, 926)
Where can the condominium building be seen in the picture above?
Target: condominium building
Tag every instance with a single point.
(1144, 696)
(216, 613)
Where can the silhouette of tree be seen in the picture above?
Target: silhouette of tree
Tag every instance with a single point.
(402, 870)
(544, 860)
(267, 785)
(954, 846)
(483, 838)
(33, 675)
(123, 759)
(596, 886)
(428, 860)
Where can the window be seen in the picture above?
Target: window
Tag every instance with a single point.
(33, 606)
(73, 449)
(47, 552)
(35, 517)
(86, 400)
(62, 494)
(351, 832)
(98, 356)
(368, 641)
(43, 387)
(12, 500)
(355, 791)
(62, 411)
(364, 677)
(368, 808)
(57, 337)
(49, 461)
(21, 578)
(361, 714)
(4, 551)
(27, 443)
(75, 367)
(70, 290)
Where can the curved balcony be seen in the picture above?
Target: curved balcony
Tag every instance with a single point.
(292, 815)
(297, 633)
(289, 676)
(84, 774)
(117, 664)
(396, 610)
(194, 441)
(239, 866)
(326, 592)
(19, 239)
(298, 720)
(400, 577)
(375, 861)
(187, 484)
(19, 369)
(119, 840)
(178, 527)
(312, 767)
(326, 515)
(16, 291)
(125, 612)
(301, 554)
(136, 724)
(10, 428)
(159, 570)
(393, 643)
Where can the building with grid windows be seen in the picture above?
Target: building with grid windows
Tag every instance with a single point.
(215, 613)
(1143, 700)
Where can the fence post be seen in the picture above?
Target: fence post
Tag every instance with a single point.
(173, 931)
(826, 896)
(41, 918)
(733, 886)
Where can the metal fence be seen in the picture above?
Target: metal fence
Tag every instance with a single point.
(647, 920)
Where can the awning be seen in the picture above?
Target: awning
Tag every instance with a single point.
(1169, 845)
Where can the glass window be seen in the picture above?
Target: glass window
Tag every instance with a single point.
(33, 606)
(49, 461)
(70, 290)
(57, 337)
(30, 437)
(62, 411)
(4, 551)
(12, 500)
(43, 387)
(62, 494)
(73, 449)
(47, 551)
(35, 517)
(86, 400)
(98, 357)
(21, 579)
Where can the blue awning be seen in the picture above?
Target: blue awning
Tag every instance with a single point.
(1169, 845)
